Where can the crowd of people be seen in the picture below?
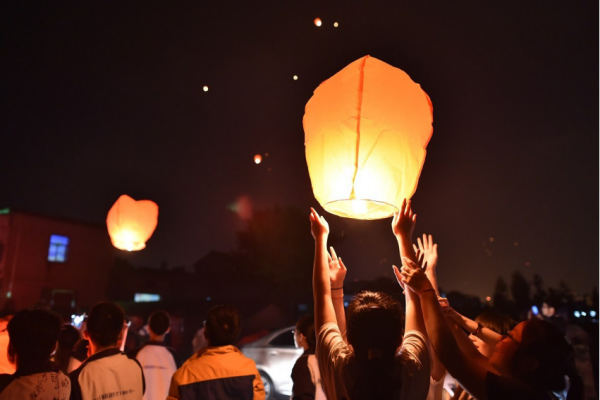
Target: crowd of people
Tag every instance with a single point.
(374, 349)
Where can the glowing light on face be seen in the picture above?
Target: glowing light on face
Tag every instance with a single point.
(318, 22)
(257, 159)
(205, 88)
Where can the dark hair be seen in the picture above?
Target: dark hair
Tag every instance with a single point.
(374, 329)
(545, 343)
(159, 322)
(69, 336)
(223, 325)
(33, 333)
(497, 322)
(306, 326)
(104, 323)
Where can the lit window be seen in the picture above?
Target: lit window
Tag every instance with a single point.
(146, 297)
(57, 252)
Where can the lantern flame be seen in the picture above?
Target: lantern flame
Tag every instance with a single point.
(131, 223)
(318, 22)
(257, 159)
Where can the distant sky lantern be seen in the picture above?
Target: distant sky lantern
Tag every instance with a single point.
(335, 24)
(131, 223)
(257, 158)
(205, 88)
(318, 22)
(366, 130)
(295, 77)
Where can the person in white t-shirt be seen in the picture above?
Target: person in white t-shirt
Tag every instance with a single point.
(377, 362)
(158, 361)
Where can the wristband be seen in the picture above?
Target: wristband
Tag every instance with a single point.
(425, 290)
(479, 328)
(337, 288)
(341, 297)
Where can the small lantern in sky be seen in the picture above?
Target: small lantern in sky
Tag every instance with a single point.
(257, 159)
(131, 223)
(366, 130)
(318, 22)
(205, 88)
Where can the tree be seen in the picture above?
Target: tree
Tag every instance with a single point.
(519, 288)
(540, 294)
(501, 302)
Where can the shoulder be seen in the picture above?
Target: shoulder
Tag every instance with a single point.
(330, 339)
(5, 380)
(414, 347)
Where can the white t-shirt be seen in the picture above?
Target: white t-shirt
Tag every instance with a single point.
(159, 365)
(334, 355)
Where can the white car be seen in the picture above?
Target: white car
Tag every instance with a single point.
(275, 355)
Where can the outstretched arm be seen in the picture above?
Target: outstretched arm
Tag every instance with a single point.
(403, 225)
(337, 274)
(487, 335)
(469, 373)
(427, 254)
(324, 311)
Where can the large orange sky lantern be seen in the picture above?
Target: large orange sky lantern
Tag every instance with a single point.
(366, 130)
(131, 223)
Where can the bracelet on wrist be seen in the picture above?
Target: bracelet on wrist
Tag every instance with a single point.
(479, 328)
(425, 290)
(337, 288)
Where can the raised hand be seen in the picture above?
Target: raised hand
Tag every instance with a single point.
(429, 251)
(404, 220)
(414, 277)
(337, 269)
(318, 225)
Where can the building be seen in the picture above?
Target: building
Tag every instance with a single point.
(60, 262)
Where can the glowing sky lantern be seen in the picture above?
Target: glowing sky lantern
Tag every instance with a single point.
(366, 130)
(318, 22)
(205, 88)
(131, 223)
(257, 159)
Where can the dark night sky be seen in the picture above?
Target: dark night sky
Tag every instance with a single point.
(100, 99)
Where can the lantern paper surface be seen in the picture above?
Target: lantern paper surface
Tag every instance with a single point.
(366, 130)
(131, 223)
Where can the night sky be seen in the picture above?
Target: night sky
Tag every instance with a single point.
(101, 99)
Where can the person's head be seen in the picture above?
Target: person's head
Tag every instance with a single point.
(33, 334)
(536, 353)
(374, 325)
(222, 326)
(69, 336)
(499, 323)
(159, 323)
(548, 309)
(104, 324)
(304, 334)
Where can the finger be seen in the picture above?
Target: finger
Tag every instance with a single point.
(430, 242)
(328, 257)
(415, 248)
(333, 253)
(342, 264)
(408, 262)
(414, 218)
(435, 248)
(420, 243)
(397, 273)
(403, 207)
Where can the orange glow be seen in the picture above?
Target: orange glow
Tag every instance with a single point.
(318, 22)
(335, 24)
(131, 223)
(257, 158)
(366, 129)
